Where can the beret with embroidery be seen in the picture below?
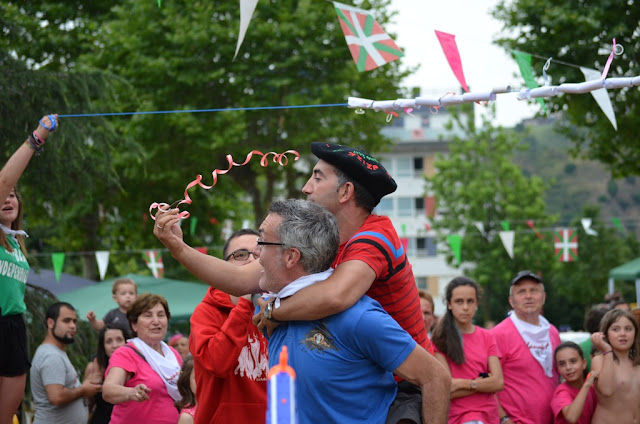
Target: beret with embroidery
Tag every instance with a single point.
(358, 165)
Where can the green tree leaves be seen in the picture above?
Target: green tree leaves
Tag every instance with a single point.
(581, 33)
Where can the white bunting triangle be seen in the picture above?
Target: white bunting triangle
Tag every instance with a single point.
(507, 241)
(601, 95)
(586, 224)
(102, 258)
(247, 7)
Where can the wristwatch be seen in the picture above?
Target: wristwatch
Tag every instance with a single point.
(474, 384)
(268, 310)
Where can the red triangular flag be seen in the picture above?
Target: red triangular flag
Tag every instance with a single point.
(405, 243)
(531, 225)
(450, 48)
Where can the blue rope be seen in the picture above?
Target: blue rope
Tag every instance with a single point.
(157, 112)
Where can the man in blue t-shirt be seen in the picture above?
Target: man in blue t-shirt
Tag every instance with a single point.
(345, 362)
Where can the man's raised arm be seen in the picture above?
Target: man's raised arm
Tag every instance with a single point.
(217, 273)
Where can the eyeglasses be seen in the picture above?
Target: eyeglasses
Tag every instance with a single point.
(242, 255)
(268, 243)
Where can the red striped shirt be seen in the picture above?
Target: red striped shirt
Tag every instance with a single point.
(377, 244)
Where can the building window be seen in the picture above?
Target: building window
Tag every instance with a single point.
(425, 247)
(418, 167)
(421, 282)
(385, 207)
(403, 167)
(405, 207)
(432, 245)
(419, 206)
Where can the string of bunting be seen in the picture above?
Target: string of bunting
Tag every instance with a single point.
(565, 242)
(565, 239)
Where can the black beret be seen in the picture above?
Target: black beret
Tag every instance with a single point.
(358, 165)
(525, 274)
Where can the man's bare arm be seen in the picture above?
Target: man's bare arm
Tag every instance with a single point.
(60, 395)
(423, 370)
(348, 283)
(217, 273)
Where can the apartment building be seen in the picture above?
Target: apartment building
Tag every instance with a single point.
(418, 138)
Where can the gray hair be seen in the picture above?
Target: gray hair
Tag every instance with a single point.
(311, 229)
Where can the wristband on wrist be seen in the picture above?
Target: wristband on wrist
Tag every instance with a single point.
(37, 138)
(268, 310)
(608, 351)
(33, 145)
(504, 419)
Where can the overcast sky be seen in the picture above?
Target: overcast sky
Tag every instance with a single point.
(485, 65)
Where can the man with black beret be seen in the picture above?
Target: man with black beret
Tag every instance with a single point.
(526, 341)
(350, 183)
(371, 260)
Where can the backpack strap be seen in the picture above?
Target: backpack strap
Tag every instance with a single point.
(136, 351)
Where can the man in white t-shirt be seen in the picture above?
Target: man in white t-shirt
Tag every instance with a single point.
(527, 342)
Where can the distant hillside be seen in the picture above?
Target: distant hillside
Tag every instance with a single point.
(577, 182)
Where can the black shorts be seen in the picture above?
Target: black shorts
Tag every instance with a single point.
(407, 404)
(14, 357)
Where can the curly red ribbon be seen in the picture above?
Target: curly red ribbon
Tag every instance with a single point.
(279, 158)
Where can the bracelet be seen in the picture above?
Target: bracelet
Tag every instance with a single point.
(38, 140)
(504, 419)
(33, 145)
(609, 351)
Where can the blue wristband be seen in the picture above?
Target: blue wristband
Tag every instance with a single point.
(53, 126)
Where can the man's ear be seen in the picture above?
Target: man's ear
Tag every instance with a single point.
(346, 192)
(292, 257)
(511, 302)
(50, 323)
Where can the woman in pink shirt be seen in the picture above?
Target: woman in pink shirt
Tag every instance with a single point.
(142, 376)
(470, 354)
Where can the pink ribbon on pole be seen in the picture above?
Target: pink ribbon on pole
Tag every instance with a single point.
(279, 158)
(450, 49)
(609, 60)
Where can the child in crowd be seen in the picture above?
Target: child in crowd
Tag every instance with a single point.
(618, 367)
(187, 388)
(125, 292)
(180, 342)
(574, 401)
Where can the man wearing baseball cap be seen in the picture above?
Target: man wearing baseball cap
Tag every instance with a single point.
(527, 341)
(371, 260)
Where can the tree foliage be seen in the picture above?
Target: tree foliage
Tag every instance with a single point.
(478, 182)
(180, 57)
(581, 32)
(585, 280)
